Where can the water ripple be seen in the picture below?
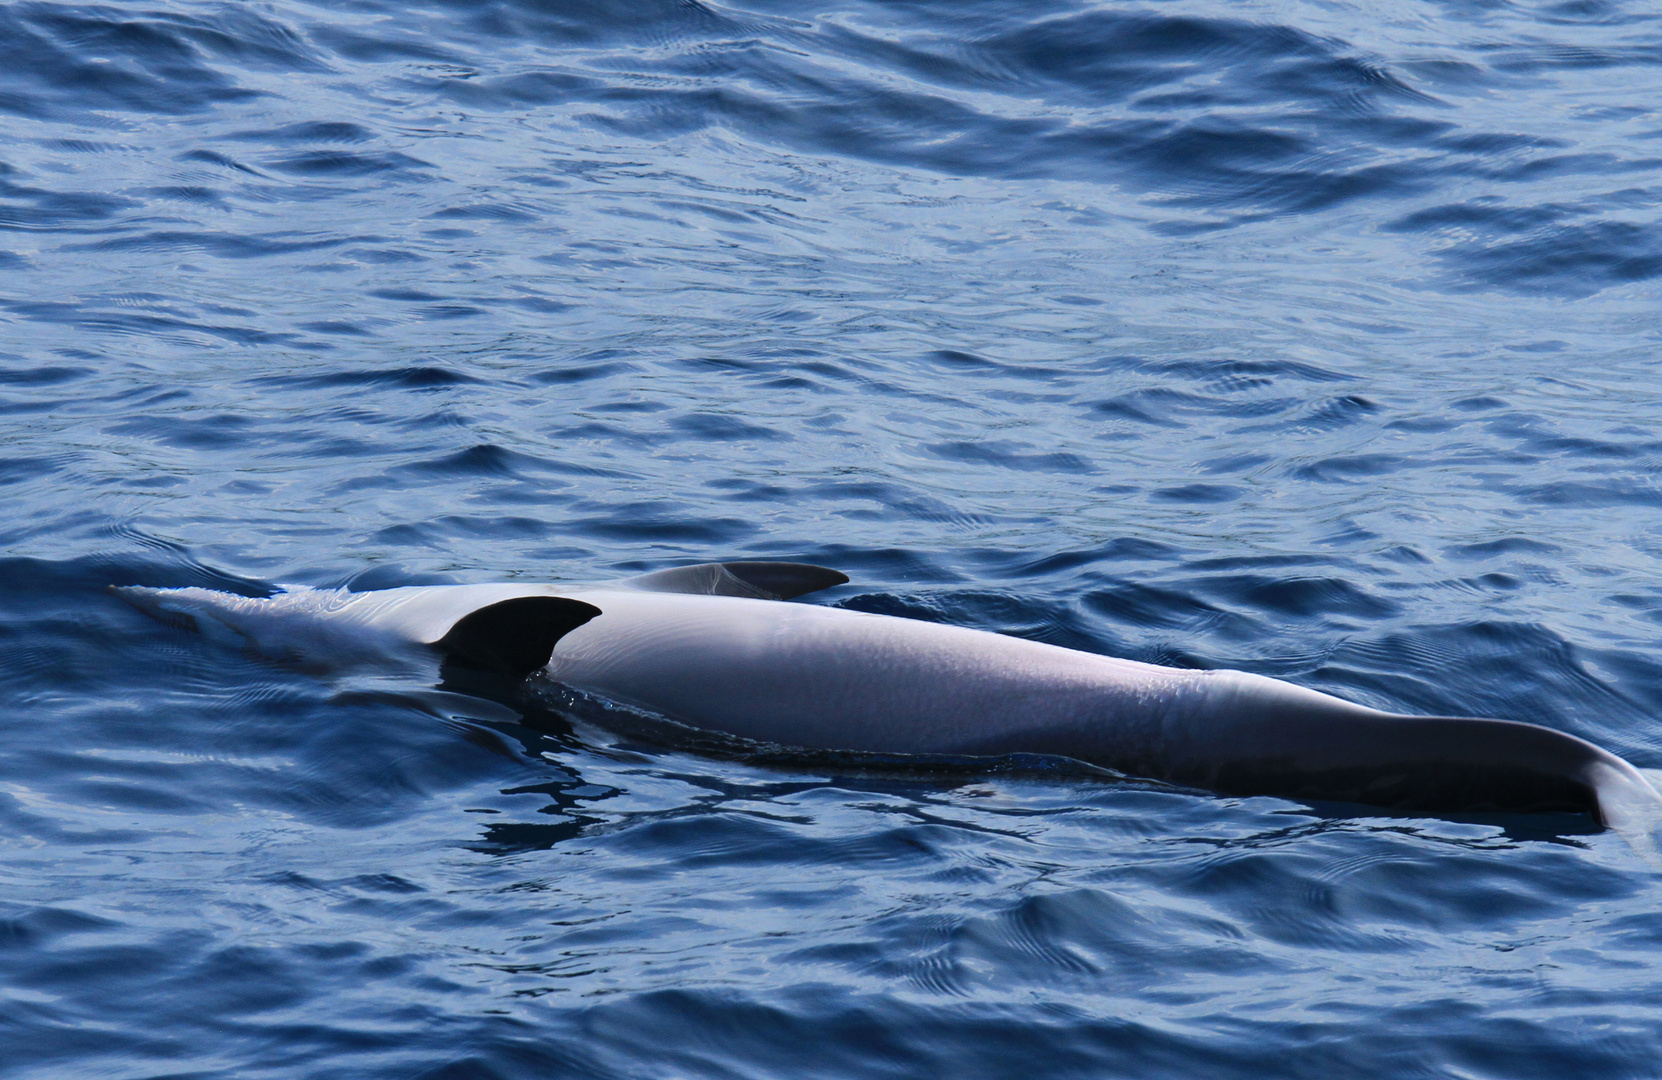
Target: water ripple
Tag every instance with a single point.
(1316, 340)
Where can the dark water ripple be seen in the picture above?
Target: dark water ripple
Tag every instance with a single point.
(1313, 339)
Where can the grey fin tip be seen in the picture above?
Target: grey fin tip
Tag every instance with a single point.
(756, 580)
(786, 580)
(514, 637)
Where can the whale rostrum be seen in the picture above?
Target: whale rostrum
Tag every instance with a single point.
(713, 646)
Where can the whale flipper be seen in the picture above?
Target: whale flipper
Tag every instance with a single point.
(755, 580)
(514, 637)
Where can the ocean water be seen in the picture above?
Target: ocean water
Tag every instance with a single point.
(1316, 338)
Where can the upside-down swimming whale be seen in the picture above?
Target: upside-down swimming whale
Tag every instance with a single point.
(713, 646)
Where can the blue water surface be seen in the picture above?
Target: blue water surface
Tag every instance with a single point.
(1312, 337)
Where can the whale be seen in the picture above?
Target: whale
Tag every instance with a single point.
(724, 647)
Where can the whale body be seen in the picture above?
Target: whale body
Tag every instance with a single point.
(714, 646)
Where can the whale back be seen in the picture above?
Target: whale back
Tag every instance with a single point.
(708, 645)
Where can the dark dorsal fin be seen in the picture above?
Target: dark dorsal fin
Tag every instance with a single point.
(786, 580)
(757, 580)
(514, 637)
